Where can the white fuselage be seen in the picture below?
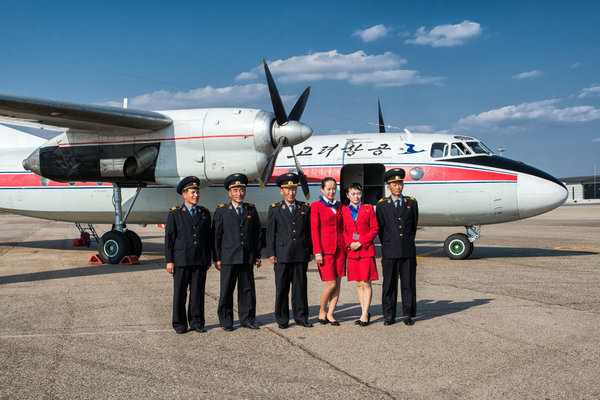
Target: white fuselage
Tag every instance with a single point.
(451, 190)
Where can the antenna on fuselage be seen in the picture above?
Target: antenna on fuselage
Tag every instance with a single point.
(381, 124)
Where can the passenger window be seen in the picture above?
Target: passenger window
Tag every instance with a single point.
(438, 150)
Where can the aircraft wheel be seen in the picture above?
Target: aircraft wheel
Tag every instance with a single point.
(136, 243)
(458, 246)
(113, 246)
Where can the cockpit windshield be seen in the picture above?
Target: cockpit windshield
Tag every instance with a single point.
(458, 149)
(479, 148)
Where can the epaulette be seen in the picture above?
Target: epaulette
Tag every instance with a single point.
(223, 205)
(249, 205)
(303, 203)
(410, 198)
(275, 204)
(175, 208)
(201, 208)
(384, 199)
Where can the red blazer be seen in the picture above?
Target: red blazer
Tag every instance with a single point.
(326, 229)
(366, 226)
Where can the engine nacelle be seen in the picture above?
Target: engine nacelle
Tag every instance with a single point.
(208, 143)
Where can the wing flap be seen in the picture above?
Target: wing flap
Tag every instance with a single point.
(82, 117)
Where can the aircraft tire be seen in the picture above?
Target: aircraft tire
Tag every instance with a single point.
(136, 243)
(113, 246)
(458, 246)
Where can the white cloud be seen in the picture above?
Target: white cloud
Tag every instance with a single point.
(373, 33)
(239, 95)
(575, 65)
(447, 35)
(597, 140)
(591, 91)
(528, 74)
(518, 117)
(357, 68)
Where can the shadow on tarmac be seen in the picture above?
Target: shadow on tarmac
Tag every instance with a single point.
(88, 270)
(502, 252)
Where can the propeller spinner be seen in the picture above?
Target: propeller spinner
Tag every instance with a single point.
(287, 130)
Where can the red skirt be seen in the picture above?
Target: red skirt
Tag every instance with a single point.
(334, 266)
(362, 269)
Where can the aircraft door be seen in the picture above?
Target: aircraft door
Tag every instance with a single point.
(369, 176)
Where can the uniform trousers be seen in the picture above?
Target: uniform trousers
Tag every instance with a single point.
(406, 268)
(193, 277)
(243, 275)
(294, 274)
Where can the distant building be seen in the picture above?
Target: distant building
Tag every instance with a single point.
(582, 189)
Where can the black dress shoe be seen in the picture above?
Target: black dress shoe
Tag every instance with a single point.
(200, 329)
(181, 331)
(305, 324)
(408, 321)
(252, 326)
(334, 322)
(228, 328)
(282, 326)
(323, 321)
(359, 322)
(389, 321)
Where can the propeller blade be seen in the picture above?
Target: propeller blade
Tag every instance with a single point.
(278, 109)
(268, 171)
(302, 176)
(381, 125)
(298, 109)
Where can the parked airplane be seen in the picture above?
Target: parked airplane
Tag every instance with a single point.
(457, 180)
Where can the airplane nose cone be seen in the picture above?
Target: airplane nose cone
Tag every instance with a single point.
(537, 195)
(32, 162)
(295, 132)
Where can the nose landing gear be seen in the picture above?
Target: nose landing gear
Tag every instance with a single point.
(460, 246)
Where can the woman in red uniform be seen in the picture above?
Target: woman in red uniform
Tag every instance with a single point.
(328, 246)
(360, 228)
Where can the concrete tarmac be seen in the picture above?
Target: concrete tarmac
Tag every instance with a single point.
(519, 319)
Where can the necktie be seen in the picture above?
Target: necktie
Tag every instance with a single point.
(193, 211)
(239, 211)
(397, 203)
(291, 207)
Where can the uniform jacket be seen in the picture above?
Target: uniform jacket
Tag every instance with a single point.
(326, 228)
(365, 226)
(288, 234)
(187, 238)
(397, 227)
(237, 240)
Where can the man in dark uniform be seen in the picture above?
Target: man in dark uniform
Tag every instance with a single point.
(237, 240)
(289, 248)
(398, 216)
(187, 252)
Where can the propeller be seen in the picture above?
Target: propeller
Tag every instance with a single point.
(381, 124)
(287, 130)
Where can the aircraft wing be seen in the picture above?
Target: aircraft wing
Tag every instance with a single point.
(82, 117)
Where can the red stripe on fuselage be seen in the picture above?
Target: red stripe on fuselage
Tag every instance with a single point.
(431, 173)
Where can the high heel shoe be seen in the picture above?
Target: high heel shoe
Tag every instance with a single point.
(333, 323)
(323, 321)
(361, 323)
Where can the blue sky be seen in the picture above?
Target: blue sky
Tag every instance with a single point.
(523, 75)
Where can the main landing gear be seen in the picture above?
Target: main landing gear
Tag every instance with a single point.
(460, 246)
(120, 242)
